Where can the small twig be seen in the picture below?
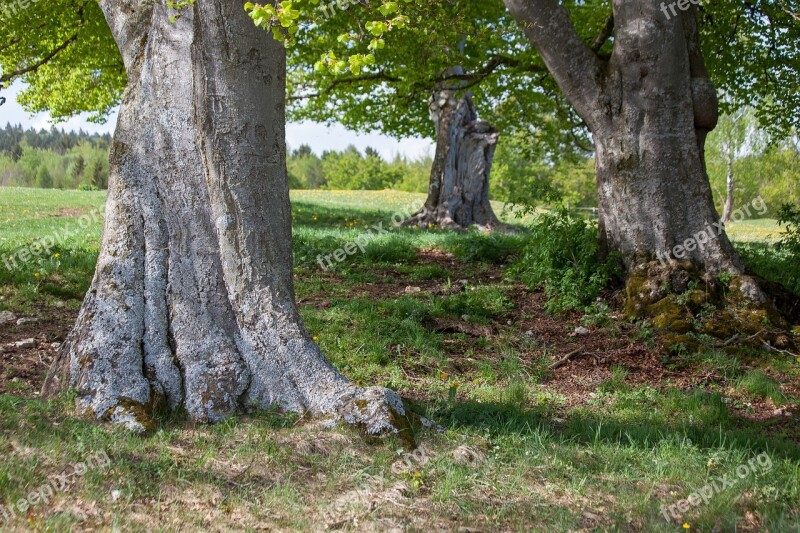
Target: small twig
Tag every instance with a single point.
(768, 347)
(736, 338)
(564, 359)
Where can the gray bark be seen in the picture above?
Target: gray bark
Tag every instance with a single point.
(728, 210)
(192, 303)
(458, 195)
(649, 107)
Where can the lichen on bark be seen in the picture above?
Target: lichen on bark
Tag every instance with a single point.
(192, 305)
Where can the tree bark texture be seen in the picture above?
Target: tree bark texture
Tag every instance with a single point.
(730, 189)
(192, 304)
(649, 107)
(458, 195)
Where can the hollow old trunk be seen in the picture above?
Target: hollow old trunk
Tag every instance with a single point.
(458, 194)
(192, 303)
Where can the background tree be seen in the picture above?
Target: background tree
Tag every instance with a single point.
(735, 137)
(650, 105)
(99, 175)
(78, 168)
(43, 178)
(453, 58)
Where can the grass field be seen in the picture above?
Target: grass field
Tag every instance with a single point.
(608, 441)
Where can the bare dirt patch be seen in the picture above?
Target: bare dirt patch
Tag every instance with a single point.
(23, 369)
(70, 212)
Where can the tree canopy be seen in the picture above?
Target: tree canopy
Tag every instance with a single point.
(372, 65)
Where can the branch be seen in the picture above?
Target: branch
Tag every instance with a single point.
(767, 346)
(475, 78)
(494, 63)
(575, 67)
(604, 34)
(561, 362)
(36, 65)
(379, 76)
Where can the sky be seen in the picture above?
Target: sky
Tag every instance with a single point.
(318, 136)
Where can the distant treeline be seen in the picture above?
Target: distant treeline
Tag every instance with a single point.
(53, 158)
(350, 169)
(79, 160)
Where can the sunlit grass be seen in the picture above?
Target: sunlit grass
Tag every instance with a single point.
(545, 461)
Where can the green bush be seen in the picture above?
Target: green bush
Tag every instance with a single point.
(789, 216)
(778, 265)
(561, 257)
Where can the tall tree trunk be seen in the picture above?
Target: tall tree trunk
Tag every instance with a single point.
(192, 303)
(726, 213)
(458, 194)
(650, 107)
(654, 191)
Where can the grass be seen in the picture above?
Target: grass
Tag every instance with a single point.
(597, 445)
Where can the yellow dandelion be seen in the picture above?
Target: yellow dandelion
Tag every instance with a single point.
(316, 339)
(35, 274)
(56, 255)
(443, 376)
(686, 526)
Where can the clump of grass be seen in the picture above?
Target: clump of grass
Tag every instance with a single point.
(760, 385)
(496, 248)
(515, 394)
(616, 383)
(727, 365)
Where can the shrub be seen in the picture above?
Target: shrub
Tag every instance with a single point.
(561, 257)
(789, 216)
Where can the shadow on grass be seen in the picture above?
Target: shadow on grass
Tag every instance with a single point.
(583, 427)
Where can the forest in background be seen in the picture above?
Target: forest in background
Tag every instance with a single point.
(78, 160)
(53, 159)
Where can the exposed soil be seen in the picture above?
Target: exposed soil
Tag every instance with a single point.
(23, 369)
(592, 356)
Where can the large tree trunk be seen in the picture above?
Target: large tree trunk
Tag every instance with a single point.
(192, 303)
(653, 187)
(458, 195)
(650, 107)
